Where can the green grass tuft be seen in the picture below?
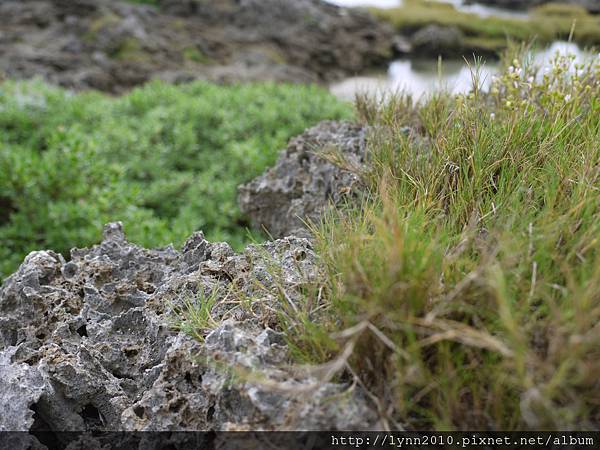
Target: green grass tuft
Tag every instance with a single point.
(467, 283)
(194, 317)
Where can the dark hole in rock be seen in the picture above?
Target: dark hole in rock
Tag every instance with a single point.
(121, 375)
(177, 404)
(188, 377)
(33, 360)
(82, 331)
(139, 411)
(303, 159)
(301, 255)
(149, 289)
(43, 431)
(131, 352)
(40, 336)
(223, 276)
(39, 424)
(210, 413)
(92, 417)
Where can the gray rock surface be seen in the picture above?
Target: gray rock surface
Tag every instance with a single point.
(20, 388)
(592, 6)
(438, 40)
(112, 45)
(91, 344)
(303, 184)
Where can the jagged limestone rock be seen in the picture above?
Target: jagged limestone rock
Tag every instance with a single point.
(303, 184)
(90, 344)
(20, 388)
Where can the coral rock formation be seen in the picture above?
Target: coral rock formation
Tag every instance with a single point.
(90, 344)
(302, 184)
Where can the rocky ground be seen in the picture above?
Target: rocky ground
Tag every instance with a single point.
(96, 342)
(91, 344)
(112, 45)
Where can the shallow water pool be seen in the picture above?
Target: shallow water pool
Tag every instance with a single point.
(421, 77)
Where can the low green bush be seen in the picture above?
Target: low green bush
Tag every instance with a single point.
(166, 160)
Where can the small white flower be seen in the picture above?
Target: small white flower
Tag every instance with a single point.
(530, 80)
(567, 97)
(511, 69)
(492, 116)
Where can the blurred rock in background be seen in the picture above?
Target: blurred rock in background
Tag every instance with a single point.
(113, 45)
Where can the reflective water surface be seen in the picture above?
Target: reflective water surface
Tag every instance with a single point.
(460, 5)
(486, 10)
(420, 77)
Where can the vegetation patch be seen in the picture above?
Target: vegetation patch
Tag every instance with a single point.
(464, 292)
(194, 55)
(129, 49)
(165, 160)
(489, 34)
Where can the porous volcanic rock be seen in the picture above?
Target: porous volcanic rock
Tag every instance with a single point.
(112, 45)
(303, 183)
(91, 344)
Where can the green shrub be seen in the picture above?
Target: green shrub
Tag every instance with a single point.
(165, 160)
